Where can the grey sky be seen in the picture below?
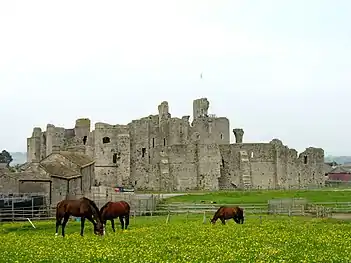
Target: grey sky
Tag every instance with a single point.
(277, 69)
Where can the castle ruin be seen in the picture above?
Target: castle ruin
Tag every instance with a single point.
(165, 153)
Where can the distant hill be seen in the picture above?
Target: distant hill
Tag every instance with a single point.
(18, 158)
(21, 157)
(338, 159)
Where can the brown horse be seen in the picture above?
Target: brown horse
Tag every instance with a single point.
(83, 208)
(224, 213)
(112, 210)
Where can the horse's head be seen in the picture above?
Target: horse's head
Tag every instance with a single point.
(99, 229)
(213, 221)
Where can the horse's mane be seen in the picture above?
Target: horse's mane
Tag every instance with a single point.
(219, 209)
(104, 206)
(92, 204)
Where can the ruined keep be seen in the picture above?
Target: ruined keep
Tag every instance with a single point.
(161, 152)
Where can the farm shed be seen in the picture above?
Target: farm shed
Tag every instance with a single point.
(340, 173)
(60, 175)
(328, 167)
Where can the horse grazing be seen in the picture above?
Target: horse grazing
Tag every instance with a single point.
(112, 210)
(83, 208)
(224, 213)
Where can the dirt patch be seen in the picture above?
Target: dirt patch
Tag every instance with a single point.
(341, 216)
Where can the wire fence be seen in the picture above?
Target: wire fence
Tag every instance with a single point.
(325, 209)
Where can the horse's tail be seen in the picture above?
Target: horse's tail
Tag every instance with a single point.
(240, 210)
(240, 213)
(127, 219)
(127, 207)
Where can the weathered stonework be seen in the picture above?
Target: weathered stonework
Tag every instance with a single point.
(165, 153)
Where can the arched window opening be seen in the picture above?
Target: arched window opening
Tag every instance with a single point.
(106, 140)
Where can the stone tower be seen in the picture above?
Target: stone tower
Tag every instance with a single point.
(239, 134)
(200, 108)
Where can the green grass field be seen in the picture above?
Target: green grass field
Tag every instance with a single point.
(242, 197)
(271, 239)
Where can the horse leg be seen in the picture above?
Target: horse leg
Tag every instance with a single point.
(236, 220)
(90, 218)
(82, 221)
(113, 225)
(122, 221)
(58, 223)
(64, 223)
(127, 221)
(223, 221)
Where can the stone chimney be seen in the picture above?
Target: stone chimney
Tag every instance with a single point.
(238, 133)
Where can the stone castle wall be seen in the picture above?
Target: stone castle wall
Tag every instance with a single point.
(161, 152)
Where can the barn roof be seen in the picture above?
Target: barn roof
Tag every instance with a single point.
(341, 169)
(58, 169)
(327, 168)
(79, 159)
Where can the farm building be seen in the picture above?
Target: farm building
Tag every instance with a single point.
(340, 173)
(329, 167)
(60, 175)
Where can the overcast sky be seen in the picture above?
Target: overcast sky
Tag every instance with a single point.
(277, 69)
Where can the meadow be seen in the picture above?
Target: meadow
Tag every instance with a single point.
(150, 239)
(262, 196)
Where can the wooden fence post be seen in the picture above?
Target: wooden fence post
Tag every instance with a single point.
(134, 217)
(204, 218)
(32, 207)
(168, 217)
(139, 204)
(12, 208)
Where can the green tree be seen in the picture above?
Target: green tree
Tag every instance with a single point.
(5, 157)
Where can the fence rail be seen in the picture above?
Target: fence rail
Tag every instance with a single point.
(320, 209)
(330, 207)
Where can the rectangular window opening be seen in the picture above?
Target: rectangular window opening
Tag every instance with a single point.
(153, 142)
(143, 151)
(114, 158)
(305, 159)
(164, 141)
